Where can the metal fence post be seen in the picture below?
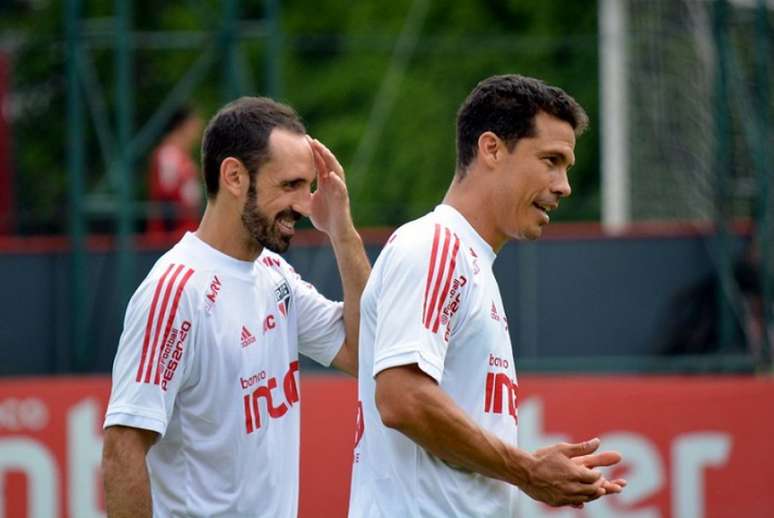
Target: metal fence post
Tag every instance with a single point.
(722, 173)
(75, 166)
(124, 160)
(764, 208)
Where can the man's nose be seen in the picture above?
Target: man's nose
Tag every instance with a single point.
(562, 185)
(303, 204)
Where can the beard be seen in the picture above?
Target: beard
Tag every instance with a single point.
(261, 231)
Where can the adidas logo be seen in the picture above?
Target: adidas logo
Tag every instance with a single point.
(247, 337)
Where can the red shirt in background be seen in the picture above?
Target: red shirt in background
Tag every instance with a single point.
(175, 192)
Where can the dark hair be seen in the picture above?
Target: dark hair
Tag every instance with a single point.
(506, 105)
(178, 117)
(241, 130)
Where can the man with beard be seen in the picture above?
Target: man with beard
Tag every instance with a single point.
(205, 377)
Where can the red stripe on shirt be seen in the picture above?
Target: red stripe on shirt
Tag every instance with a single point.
(171, 320)
(149, 324)
(431, 268)
(438, 278)
(159, 320)
(449, 276)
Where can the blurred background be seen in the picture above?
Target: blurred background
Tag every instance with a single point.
(651, 290)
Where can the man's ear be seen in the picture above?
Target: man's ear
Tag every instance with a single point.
(489, 148)
(233, 176)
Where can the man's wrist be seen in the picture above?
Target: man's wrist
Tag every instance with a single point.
(521, 465)
(346, 236)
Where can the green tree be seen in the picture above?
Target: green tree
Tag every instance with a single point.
(335, 56)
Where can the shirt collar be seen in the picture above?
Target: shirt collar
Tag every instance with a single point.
(216, 258)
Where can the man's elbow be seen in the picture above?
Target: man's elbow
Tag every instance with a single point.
(346, 360)
(123, 446)
(112, 461)
(394, 409)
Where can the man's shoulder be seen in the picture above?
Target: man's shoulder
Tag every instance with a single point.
(424, 234)
(276, 266)
(280, 271)
(424, 246)
(273, 261)
(178, 273)
(414, 232)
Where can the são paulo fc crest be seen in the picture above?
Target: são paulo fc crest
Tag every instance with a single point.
(282, 297)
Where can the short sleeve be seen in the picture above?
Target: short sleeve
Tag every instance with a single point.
(421, 287)
(156, 351)
(321, 331)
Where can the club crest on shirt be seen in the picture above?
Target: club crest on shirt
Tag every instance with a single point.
(282, 298)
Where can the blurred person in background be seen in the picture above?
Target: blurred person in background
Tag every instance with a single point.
(692, 321)
(437, 385)
(174, 189)
(204, 379)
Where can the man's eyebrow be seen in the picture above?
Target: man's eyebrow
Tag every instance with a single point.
(567, 156)
(296, 180)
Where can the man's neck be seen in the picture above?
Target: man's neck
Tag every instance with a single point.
(223, 230)
(178, 140)
(469, 197)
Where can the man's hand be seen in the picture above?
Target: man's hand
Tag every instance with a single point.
(330, 202)
(557, 479)
(605, 458)
(330, 213)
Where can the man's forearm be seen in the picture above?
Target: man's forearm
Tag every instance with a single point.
(435, 422)
(127, 491)
(125, 475)
(413, 403)
(354, 268)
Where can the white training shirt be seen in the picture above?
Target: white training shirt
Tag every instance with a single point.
(433, 300)
(208, 359)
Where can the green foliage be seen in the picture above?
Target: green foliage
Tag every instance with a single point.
(461, 42)
(335, 56)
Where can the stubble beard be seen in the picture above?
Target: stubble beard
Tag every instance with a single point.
(261, 231)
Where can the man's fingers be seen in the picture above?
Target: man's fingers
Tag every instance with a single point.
(588, 476)
(615, 486)
(590, 490)
(580, 449)
(612, 489)
(319, 161)
(605, 458)
(579, 499)
(330, 159)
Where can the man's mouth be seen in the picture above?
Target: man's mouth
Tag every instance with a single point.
(545, 208)
(286, 226)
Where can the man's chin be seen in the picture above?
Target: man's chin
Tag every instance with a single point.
(533, 234)
(278, 246)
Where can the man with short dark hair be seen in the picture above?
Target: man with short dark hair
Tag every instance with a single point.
(174, 191)
(205, 376)
(438, 392)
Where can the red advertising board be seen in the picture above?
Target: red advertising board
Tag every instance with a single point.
(693, 447)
